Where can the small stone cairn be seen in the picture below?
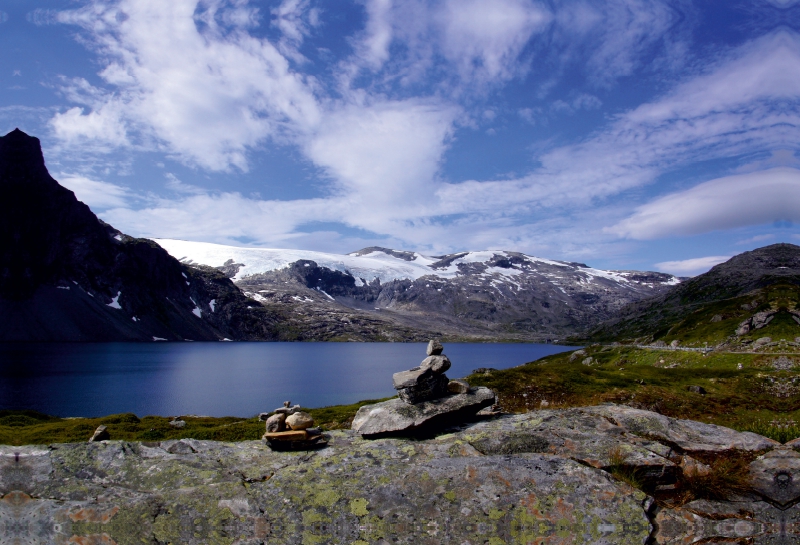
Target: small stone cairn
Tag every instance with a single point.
(289, 428)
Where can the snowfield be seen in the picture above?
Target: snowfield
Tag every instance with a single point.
(368, 267)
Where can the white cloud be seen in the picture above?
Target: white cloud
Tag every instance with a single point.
(739, 106)
(97, 194)
(295, 19)
(756, 239)
(384, 155)
(733, 201)
(217, 92)
(484, 39)
(691, 267)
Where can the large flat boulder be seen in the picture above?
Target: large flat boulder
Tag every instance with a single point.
(396, 417)
(541, 477)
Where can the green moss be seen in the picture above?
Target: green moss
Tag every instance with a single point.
(358, 507)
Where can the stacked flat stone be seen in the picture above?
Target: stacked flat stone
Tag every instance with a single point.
(427, 381)
(289, 427)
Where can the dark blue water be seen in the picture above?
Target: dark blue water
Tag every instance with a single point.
(221, 379)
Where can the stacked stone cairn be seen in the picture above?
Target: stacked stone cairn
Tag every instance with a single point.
(428, 381)
(427, 401)
(289, 428)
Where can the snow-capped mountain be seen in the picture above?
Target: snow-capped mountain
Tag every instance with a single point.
(483, 293)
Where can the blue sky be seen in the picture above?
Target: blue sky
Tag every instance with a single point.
(621, 133)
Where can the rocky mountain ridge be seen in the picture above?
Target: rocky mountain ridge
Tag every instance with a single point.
(734, 300)
(491, 293)
(65, 275)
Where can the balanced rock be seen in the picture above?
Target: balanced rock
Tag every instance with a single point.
(434, 348)
(437, 363)
(395, 417)
(276, 423)
(299, 421)
(427, 386)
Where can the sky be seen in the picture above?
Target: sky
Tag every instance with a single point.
(625, 134)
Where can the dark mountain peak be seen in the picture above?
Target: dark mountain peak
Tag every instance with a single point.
(773, 258)
(65, 275)
(21, 159)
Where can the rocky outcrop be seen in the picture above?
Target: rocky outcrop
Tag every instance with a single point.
(396, 417)
(67, 276)
(542, 477)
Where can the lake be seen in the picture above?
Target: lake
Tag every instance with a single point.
(221, 379)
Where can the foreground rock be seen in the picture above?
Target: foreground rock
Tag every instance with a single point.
(532, 478)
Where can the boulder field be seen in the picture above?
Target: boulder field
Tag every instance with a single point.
(541, 477)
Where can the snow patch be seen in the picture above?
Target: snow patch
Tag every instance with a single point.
(212, 304)
(158, 339)
(326, 293)
(118, 237)
(196, 311)
(63, 287)
(115, 301)
(135, 319)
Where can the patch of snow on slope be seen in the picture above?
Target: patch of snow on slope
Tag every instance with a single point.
(115, 302)
(212, 304)
(196, 311)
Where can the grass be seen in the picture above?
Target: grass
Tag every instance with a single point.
(754, 398)
(30, 427)
(723, 478)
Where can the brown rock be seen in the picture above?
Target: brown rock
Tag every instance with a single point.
(299, 421)
(458, 386)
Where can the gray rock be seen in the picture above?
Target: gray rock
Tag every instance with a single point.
(429, 386)
(744, 328)
(776, 475)
(437, 364)
(588, 361)
(406, 379)
(100, 434)
(696, 389)
(675, 344)
(458, 386)
(577, 354)
(490, 370)
(177, 423)
(276, 423)
(539, 477)
(394, 417)
(299, 421)
(762, 341)
(180, 447)
(434, 348)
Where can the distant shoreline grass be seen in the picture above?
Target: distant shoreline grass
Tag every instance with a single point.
(26, 427)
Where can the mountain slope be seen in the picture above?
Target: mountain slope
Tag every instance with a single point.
(763, 280)
(492, 294)
(67, 276)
